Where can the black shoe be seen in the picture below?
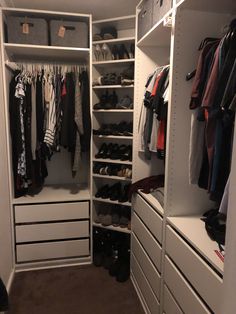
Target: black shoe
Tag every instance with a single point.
(124, 195)
(102, 151)
(127, 154)
(115, 191)
(122, 52)
(102, 191)
(102, 102)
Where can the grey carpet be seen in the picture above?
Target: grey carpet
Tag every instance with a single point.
(72, 290)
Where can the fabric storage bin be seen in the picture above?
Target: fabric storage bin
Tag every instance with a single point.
(145, 18)
(69, 34)
(36, 33)
(160, 8)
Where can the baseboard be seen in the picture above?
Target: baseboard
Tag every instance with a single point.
(139, 294)
(10, 280)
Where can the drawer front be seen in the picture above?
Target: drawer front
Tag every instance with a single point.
(170, 305)
(50, 212)
(147, 266)
(151, 246)
(144, 287)
(209, 284)
(188, 300)
(149, 216)
(52, 250)
(145, 18)
(52, 231)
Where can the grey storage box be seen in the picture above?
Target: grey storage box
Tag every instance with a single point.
(74, 34)
(160, 8)
(145, 18)
(37, 33)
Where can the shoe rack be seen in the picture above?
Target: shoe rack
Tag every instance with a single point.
(111, 55)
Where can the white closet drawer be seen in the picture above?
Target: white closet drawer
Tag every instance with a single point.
(42, 251)
(147, 293)
(151, 246)
(147, 266)
(170, 305)
(182, 291)
(52, 231)
(200, 275)
(149, 216)
(50, 212)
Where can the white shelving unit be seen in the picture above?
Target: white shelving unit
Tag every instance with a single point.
(187, 262)
(62, 196)
(125, 27)
(118, 229)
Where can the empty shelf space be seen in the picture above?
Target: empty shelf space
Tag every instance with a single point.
(124, 40)
(120, 23)
(111, 177)
(56, 193)
(112, 62)
(107, 200)
(112, 86)
(111, 161)
(49, 53)
(119, 229)
(158, 36)
(193, 230)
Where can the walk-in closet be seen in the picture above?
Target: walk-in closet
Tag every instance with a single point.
(117, 172)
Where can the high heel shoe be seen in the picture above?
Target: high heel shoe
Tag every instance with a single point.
(106, 52)
(102, 151)
(114, 51)
(98, 52)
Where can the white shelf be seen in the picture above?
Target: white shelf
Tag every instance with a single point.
(112, 110)
(111, 161)
(125, 40)
(193, 230)
(115, 137)
(107, 200)
(112, 86)
(153, 201)
(226, 6)
(158, 36)
(56, 193)
(111, 177)
(113, 62)
(47, 53)
(120, 23)
(119, 229)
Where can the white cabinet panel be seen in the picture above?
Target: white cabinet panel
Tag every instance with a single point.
(52, 231)
(149, 216)
(42, 251)
(151, 246)
(170, 305)
(50, 212)
(182, 291)
(144, 287)
(202, 277)
(147, 266)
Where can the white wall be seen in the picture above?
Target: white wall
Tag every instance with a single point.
(6, 258)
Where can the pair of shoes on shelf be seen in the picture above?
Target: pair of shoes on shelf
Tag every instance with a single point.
(115, 152)
(112, 170)
(125, 102)
(107, 101)
(119, 52)
(115, 215)
(102, 248)
(106, 33)
(107, 79)
(120, 268)
(115, 192)
(123, 128)
(102, 52)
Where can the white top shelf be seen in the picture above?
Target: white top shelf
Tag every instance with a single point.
(158, 36)
(120, 23)
(124, 40)
(193, 230)
(113, 62)
(113, 110)
(56, 193)
(112, 86)
(118, 229)
(19, 52)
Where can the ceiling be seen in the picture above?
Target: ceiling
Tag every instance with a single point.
(100, 9)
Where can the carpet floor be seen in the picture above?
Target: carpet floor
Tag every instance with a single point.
(72, 290)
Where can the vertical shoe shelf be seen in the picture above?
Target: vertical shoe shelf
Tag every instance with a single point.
(103, 63)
